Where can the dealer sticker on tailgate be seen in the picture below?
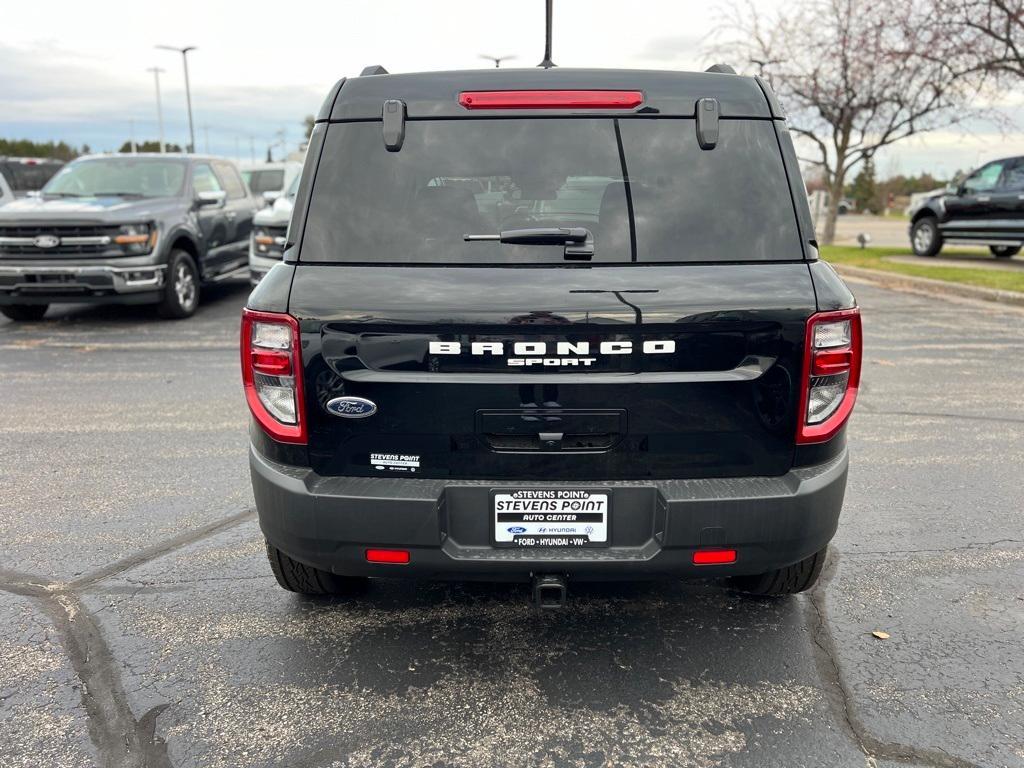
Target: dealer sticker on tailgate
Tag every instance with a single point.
(543, 517)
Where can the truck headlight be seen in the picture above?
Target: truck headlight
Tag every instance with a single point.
(268, 242)
(136, 238)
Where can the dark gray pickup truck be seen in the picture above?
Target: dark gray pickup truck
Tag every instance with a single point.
(125, 229)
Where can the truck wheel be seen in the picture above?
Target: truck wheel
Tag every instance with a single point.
(1004, 251)
(925, 237)
(306, 580)
(785, 581)
(22, 312)
(181, 287)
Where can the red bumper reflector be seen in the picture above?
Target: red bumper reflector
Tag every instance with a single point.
(551, 99)
(714, 556)
(400, 556)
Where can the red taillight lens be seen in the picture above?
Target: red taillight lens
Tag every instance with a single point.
(272, 363)
(714, 556)
(830, 363)
(551, 99)
(272, 374)
(831, 374)
(394, 556)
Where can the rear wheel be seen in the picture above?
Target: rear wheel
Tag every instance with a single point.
(181, 287)
(22, 312)
(1004, 251)
(307, 580)
(925, 236)
(784, 581)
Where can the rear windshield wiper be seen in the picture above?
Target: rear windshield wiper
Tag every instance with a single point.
(578, 241)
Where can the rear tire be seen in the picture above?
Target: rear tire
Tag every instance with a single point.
(1004, 251)
(925, 237)
(181, 287)
(784, 581)
(24, 312)
(307, 580)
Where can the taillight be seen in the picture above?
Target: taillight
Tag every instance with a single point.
(831, 374)
(272, 374)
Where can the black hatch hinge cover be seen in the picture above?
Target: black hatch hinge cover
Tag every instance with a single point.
(707, 123)
(394, 124)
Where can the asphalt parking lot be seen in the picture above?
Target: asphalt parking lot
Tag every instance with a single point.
(140, 624)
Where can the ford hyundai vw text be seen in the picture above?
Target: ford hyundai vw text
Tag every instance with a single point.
(550, 325)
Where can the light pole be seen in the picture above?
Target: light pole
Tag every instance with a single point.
(159, 109)
(188, 93)
(496, 59)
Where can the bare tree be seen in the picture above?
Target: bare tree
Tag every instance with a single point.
(988, 35)
(854, 76)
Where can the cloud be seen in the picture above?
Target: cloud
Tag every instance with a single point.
(671, 49)
(63, 95)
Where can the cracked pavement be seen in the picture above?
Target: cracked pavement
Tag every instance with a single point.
(140, 624)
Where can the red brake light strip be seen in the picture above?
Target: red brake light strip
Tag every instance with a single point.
(551, 99)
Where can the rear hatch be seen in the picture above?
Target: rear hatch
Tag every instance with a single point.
(664, 341)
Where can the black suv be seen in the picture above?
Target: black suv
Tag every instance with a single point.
(125, 229)
(551, 325)
(986, 208)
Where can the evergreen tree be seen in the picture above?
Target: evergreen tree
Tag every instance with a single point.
(864, 191)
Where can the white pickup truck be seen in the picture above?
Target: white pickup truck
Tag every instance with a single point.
(269, 226)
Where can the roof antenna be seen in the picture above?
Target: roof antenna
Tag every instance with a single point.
(547, 63)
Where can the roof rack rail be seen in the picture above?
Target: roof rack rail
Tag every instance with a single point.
(373, 69)
(724, 69)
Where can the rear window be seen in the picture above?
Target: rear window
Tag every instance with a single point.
(265, 181)
(28, 177)
(458, 177)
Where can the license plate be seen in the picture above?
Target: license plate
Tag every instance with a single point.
(543, 517)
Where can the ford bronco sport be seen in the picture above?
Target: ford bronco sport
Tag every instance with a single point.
(550, 325)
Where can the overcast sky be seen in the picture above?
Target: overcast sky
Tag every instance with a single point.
(76, 70)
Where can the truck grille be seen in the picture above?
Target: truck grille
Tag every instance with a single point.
(70, 240)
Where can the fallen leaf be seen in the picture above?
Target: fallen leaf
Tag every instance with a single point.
(880, 634)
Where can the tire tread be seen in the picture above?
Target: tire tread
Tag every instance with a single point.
(305, 579)
(789, 580)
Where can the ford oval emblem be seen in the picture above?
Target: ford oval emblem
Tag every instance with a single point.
(46, 241)
(517, 529)
(352, 407)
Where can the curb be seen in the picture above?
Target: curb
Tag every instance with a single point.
(928, 285)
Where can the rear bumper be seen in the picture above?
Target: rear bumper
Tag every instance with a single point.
(126, 283)
(329, 522)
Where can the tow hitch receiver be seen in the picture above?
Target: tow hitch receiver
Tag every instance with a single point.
(549, 592)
